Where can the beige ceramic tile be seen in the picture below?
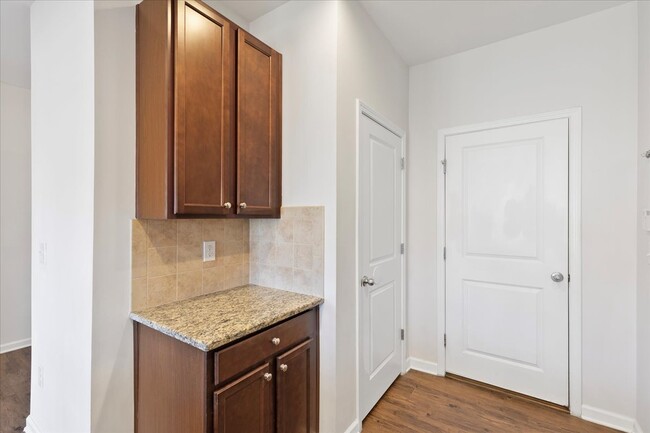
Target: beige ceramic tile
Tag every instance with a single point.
(285, 231)
(302, 231)
(190, 257)
(303, 257)
(234, 230)
(232, 253)
(138, 263)
(139, 235)
(190, 232)
(283, 255)
(161, 290)
(213, 230)
(162, 233)
(138, 294)
(161, 261)
(189, 284)
(212, 279)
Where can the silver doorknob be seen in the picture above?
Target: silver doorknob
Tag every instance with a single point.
(365, 281)
(227, 205)
(242, 205)
(284, 367)
(557, 277)
(276, 341)
(268, 377)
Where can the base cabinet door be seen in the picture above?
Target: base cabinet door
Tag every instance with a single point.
(297, 390)
(245, 405)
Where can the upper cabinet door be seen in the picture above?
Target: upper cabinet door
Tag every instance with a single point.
(204, 160)
(259, 127)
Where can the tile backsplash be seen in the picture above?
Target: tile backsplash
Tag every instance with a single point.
(288, 253)
(285, 253)
(167, 259)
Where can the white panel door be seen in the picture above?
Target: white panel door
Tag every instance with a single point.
(380, 226)
(507, 320)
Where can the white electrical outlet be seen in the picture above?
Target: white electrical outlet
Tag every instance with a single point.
(209, 251)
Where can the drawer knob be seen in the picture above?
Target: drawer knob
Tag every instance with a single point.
(242, 205)
(276, 341)
(284, 367)
(268, 377)
(227, 205)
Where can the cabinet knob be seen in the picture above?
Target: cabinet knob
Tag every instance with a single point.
(268, 377)
(284, 367)
(276, 341)
(227, 205)
(242, 205)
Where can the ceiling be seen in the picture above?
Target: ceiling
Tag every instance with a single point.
(250, 10)
(425, 30)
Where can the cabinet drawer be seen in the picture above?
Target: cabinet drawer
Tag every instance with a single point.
(246, 354)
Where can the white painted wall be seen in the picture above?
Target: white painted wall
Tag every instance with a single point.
(15, 218)
(643, 297)
(112, 350)
(589, 62)
(63, 134)
(369, 69)
(305, 34)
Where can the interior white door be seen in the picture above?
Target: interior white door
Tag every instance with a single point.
(507, 293)
(380, 263)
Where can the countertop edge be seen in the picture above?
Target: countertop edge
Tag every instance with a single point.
(228, 338)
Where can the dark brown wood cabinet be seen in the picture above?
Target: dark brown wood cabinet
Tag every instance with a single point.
(264, 383)
(208, 127)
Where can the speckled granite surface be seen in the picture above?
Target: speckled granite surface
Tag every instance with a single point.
(210, 321)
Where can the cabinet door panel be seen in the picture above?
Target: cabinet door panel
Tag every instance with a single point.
(297, 390)
(204, 159)
(259, 153)
(245, 405)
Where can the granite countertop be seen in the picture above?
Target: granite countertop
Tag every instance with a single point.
(210, 321)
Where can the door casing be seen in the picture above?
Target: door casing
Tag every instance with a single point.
(364, 109)
(574, 115)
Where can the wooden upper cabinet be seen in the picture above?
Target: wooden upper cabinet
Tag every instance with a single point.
(259, 127)
(208, 115)
(204, 113)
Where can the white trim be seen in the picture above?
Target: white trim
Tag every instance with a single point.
(31, 426)
(637, 427)
(15, 345)
(574, 115)
(422, 365)
(354, 427)
(608, 419)
(364, 109)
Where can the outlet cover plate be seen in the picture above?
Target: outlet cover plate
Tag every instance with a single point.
(209, 251)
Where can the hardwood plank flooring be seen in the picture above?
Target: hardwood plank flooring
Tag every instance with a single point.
(15, 372)
(418, 402)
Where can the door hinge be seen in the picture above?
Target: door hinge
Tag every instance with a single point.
(403, 163)
(444, 166)
(401, 334)
(568, 278)
(401, 248)
(445, 340)
(444, 253)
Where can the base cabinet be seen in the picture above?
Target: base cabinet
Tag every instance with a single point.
(264, 383)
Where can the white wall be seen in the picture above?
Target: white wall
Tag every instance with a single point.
(590, 62)
(369, 69)
(305, 34)
(15, 218)
(112, 351)
(62, 53)
(643, 299)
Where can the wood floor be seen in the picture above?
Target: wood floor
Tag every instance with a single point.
(14, 389)
(419, 402)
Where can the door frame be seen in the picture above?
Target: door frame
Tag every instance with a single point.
(363, 109)
(574, 116)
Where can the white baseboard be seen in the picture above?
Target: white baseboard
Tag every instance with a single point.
(354, 427)
(31, 426)
(637, 427)
(422, 365)
(609, 419)
(15, 345)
